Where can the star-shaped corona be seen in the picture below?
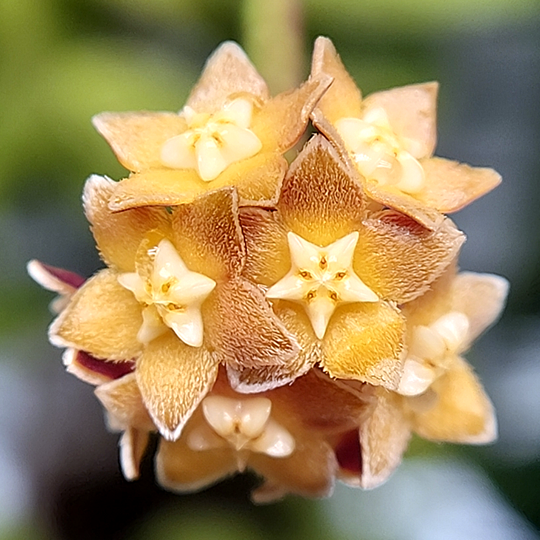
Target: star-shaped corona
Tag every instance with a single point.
(322, 278)
(212, 142)
(172, 295)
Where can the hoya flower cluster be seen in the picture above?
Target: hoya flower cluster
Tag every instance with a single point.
(300, 320)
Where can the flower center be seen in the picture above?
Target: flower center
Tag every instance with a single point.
(430, 350)
(378, 153)
(321, 278)
(244, 424)
(213, 142)
(171, 295)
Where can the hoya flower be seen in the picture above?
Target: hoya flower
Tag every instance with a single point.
(229, 133)
(336, 270)
(390, 138)
(439, 396)
(173, 300)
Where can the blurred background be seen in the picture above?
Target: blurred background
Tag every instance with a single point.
(62, 61)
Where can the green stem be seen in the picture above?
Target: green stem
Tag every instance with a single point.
(273, 38)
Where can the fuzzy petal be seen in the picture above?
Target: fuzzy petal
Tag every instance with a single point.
(412, 113)
(133, 444)
(451, 185)
(136, 138)
(364, 342)
(281, 121)
(122, 399)
(399, 259)
(244, 331)
(343, 99)
(173, 378)
(103, 319)
(463, 412)
(227, 71)
(257, 179)
(319, 200)
(207, 235)
(118, 235)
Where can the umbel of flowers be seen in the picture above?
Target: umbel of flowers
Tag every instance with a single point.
(299, 320)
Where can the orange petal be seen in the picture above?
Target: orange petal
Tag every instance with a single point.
(103, 319)
(319, 199)
(412, 113)
(181, 469)
(133, 444)
(364, 341)
(227, 71)
(136, 138)
(256, 179)
(481, 297)
(399, 259)
(207, 235)
(282, 120)
(451, 185)
(122, 399)
(268, 254)
(173, 378)
(244, 331)
(118, 235)
(463, 413)
(343, 98)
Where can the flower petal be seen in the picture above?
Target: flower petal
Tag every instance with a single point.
(103, 319)
(118, 235)
(227, 71)
(93, 370)
(281, 121)
(343, 98)
(463, 412)
(244, 331)
(136, 138)
(411, 111)
(364, 342)
(133, 444)
(398, 258)
(173, 378)
(451, 185)
(123, 400)
(207, 235)
(257, 179)
(319, 199)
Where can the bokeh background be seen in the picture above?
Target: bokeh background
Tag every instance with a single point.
(61, 61)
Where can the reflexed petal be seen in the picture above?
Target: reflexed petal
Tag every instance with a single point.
(173, 378)
(133, 445)
(122, 399)
(343, 98)
(398, 258)
(451, 185)
(481, 298)
(181, 469)
(412, 112)
(257, 179)
(281, 121)
(102, 319)
(118, 235)
(243, 329)
(319, 199)
(136, 138)
(207, 235)
(227, 71)
(267, 247)
(463, 412)
(54, 279)
(93, 370)
(364, 342)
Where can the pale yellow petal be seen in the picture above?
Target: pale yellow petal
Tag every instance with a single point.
(173, 378)
(364, 342)
(133, 444)
(118, 235)
(450, 185)
(102, 319)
